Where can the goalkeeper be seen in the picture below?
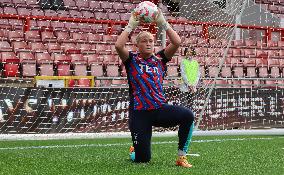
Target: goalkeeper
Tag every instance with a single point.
(148, 106)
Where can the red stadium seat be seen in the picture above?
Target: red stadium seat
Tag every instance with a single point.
(101, 16)
(70, 48)
(19, 3)
(97, 70)
(16, 36)
(84, 82)
(24, 11)
(249, 52)
(5, 46)
(54, 48)
(250, 43)
(79, 37)
(226, 72)
(83, 5)
(11, 64)
(93, 59)
(107, 6)
(112, 70)
(113, 16)
(48, 36)
(103, 49)
(95, 38)
(63, 36)
(119, 7)
(45, 64)
(32, 3)
(172, 71)
(23, 56)
(95, 6)
(33, 36)
(63, 64)
(87, 14)
(70, 4)
(20, 46)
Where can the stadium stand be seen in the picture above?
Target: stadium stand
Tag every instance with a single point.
(87, 48)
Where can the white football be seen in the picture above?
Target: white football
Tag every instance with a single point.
(146, 11)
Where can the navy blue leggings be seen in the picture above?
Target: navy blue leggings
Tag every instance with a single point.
(141, 122)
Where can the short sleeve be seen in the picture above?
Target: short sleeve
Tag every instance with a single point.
(127, 62)
(162, 55)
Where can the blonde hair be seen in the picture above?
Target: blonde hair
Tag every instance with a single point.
(138, 37)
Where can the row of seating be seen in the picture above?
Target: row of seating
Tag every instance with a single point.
(82, 65)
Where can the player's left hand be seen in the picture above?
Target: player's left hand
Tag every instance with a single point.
(161, 21)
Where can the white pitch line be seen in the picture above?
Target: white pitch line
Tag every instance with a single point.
(123, 144)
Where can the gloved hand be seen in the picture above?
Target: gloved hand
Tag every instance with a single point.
(161, 21)
(132, 23)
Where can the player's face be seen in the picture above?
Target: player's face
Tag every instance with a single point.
(146, 44)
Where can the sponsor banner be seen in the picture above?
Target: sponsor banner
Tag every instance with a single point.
(39, 110)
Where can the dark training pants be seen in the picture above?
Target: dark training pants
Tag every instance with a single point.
(141, 122)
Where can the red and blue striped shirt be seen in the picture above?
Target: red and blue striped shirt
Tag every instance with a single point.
(145, 79)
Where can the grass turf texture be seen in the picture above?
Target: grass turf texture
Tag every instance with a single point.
(219, 155)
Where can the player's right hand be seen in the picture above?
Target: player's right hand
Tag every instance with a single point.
(132, 23)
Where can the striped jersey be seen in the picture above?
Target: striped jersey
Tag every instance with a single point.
(145, 79)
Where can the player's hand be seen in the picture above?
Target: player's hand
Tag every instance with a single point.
(161, 21)
(132, 23)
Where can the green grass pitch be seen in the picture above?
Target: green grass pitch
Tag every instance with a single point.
(219, 155)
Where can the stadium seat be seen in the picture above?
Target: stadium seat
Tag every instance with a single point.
(16, 36)
(54, 48)
(84, 82)
(110, 59)
(172, 71)
(32, 4)
(250, 43)
(273, 65)
(63, 36)
(103, 49)
(113, 16)
(200, 51)
(48, 36)
(95, 38)
(5, 46)
(112, 70)
(109, 39)
(83, 4)
(20, 46)
(79, 63)
(124, 16)
(215, 43)
(262, 65)
(63, 64)
(107, 6)
(119, 7)
(97, 70)
(79, 37)
(237, 52)
(101, 16)
(70, 4)
(95, 6)
(249, 53)
(93, 59)
(24, 11)
(19, 3)
(32, 36)
(45, 63)
(226, 72)
(69, 48)
(11, 64)
(238, 43)
(28, 64)
(85, 48)
(87, 14)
